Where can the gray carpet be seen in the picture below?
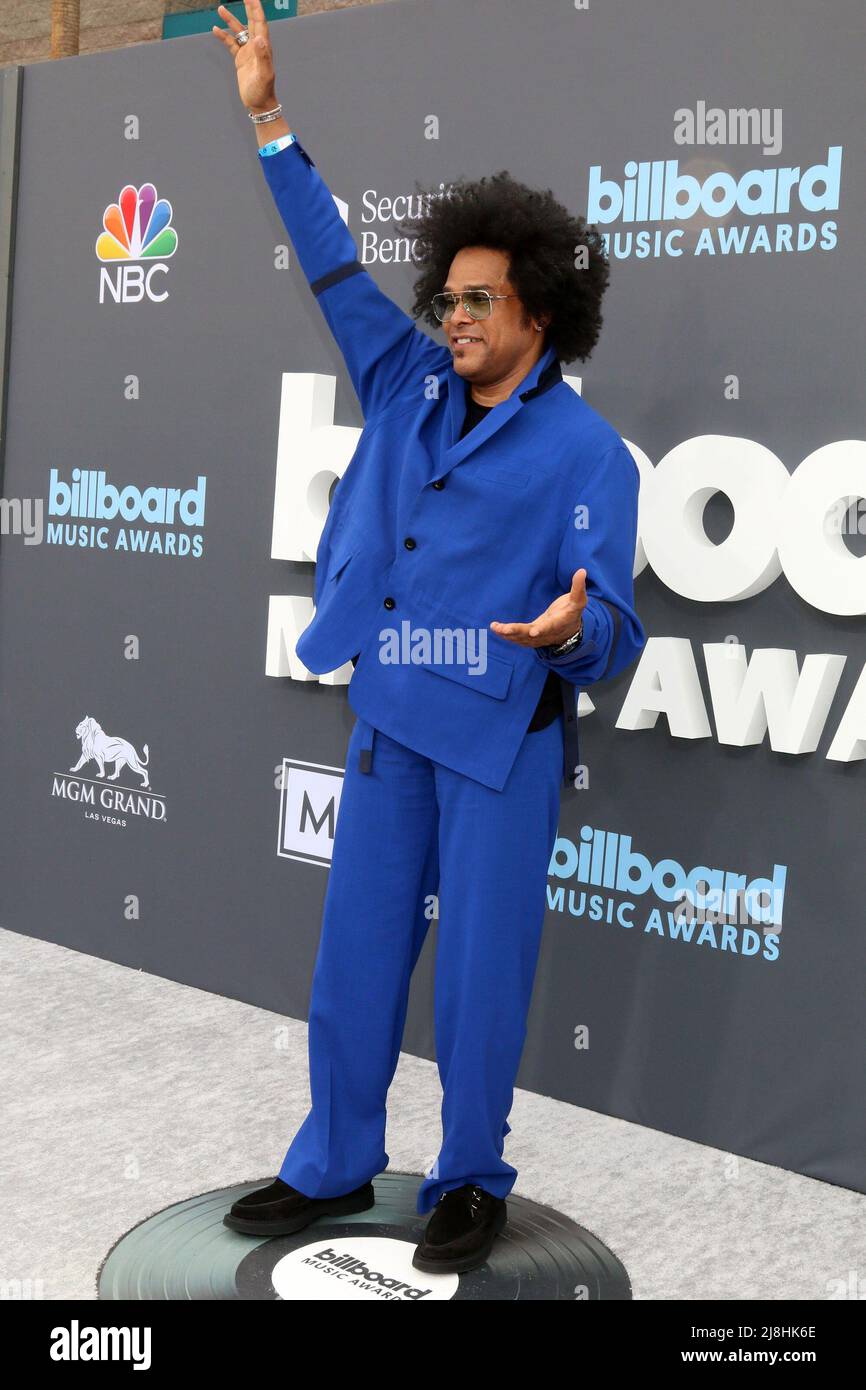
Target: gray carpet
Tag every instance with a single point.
(123, 1093)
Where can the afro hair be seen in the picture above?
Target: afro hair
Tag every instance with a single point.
(543, 241)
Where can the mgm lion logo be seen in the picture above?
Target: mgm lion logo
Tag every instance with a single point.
(96, 744)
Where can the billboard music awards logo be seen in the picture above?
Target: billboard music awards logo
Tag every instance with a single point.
(358, 1268)
(659, 191)
(137, 238)
(714, 908)
(88, 498)
(99, 792)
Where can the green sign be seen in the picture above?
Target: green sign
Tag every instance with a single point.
(174, 26)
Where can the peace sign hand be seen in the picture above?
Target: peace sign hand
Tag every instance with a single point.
(254, 63)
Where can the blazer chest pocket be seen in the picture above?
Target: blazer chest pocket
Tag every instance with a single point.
(493, 680)
(494, 476)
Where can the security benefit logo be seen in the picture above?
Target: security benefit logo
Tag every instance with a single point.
(110, 782)
(309, 806)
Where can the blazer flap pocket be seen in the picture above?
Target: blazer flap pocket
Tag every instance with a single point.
(492, 676)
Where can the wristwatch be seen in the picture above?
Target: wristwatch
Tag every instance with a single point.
(569, 645)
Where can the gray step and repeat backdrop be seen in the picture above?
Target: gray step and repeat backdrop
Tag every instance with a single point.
(171, 774)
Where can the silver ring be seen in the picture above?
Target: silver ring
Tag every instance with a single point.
(242, 37)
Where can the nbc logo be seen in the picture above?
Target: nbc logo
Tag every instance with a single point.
(137, 228)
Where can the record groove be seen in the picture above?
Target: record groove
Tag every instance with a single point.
(184, 1252)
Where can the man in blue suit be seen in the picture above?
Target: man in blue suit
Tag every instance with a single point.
(476, 564)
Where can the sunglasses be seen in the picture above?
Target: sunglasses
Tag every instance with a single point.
(477, 303)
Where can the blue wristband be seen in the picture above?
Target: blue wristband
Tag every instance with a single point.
(279, 144)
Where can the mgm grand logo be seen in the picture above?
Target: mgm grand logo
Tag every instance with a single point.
(109, 804)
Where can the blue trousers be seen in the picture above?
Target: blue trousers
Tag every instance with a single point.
(405, 827)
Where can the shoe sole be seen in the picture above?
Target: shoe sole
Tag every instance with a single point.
(325, 1206)
(465, 1262)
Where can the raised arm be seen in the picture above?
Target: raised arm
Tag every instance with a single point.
(386, 354)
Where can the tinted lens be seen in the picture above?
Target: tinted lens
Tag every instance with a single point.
(477, 303)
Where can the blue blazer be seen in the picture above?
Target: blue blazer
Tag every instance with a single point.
(430, 532)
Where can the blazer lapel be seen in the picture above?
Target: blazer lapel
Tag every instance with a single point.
(545, 373)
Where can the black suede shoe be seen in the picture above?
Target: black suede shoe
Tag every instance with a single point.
(460, 1233)
(280, 1210)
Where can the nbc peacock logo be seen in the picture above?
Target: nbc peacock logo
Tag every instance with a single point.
(136, 241)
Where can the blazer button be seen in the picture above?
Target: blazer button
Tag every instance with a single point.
(409, 543)
(389, 602)
(439, 483)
